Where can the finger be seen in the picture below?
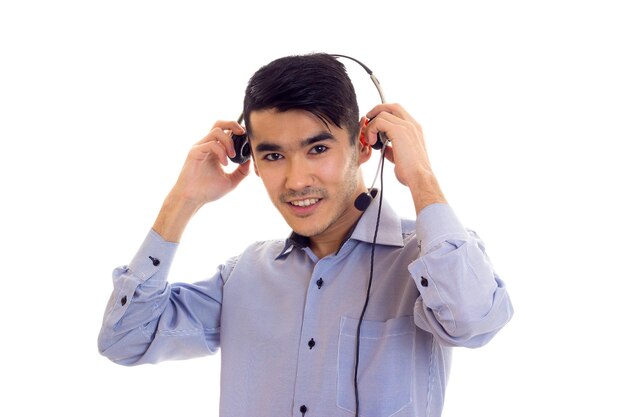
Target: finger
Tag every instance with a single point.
(390, 117)
(392, 108)
(217, 134)
(230, 125)
(389, 154)
(204, 150)
(240, 173)
(391, 125)
(224, 126)
(219, 151)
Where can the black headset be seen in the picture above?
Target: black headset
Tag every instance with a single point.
(243, 153)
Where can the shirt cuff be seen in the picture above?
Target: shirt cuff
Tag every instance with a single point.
(437, 223)
(154, 258)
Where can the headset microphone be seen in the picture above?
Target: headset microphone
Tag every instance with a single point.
(363, 201)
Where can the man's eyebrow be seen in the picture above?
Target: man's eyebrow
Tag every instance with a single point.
(317, 138)
(267, 147)
(273, 147)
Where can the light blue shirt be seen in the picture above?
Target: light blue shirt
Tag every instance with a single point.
(286, 321)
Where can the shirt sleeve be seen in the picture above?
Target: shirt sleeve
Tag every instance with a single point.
(148, 320)
(462, 301)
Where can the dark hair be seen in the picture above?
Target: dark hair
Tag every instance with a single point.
(317, 83)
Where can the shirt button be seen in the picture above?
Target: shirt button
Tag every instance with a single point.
(155, 261)
(319, 283)
(424, 282)
(123, 300)
(303, 409)
(311, 343)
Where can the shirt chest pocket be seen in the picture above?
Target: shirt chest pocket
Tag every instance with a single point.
(385, 365)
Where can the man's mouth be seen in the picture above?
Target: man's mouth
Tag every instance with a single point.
(304, 203)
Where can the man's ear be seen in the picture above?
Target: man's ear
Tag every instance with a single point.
(362, 125)
(365, 149)
(365, 152)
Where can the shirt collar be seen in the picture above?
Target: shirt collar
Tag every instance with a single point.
(389, 230)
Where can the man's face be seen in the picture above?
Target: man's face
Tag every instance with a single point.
(310, 170)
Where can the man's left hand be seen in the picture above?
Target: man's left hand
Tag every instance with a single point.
(406, 150)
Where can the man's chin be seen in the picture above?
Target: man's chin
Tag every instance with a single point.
(304, 221)
(306, 230)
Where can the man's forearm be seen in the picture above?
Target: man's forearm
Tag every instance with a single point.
(426, 191)
(173, 218)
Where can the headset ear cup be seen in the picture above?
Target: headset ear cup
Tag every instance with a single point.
(242, 149)
(379, 141)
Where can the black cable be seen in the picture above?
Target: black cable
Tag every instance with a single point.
(369, 287)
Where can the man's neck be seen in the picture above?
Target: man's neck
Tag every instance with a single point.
(333, 238)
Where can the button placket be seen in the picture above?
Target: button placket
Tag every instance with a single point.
(307, 355)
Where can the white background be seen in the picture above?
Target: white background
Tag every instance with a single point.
(523, 107)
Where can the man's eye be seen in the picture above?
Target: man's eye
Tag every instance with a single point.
(272, 157)
(319, 149)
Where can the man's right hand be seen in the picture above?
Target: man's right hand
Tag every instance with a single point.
(201, 180)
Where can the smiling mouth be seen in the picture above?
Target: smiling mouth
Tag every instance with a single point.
(304, 203)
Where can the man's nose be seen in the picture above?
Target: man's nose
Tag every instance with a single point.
(299, 175)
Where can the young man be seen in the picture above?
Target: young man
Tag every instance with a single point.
(286, 314)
